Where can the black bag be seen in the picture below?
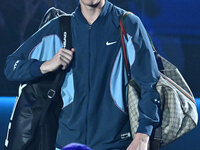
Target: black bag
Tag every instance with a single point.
(34, 121)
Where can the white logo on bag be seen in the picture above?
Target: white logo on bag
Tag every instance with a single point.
(64, 39)
(125, 135)
(110, 43)
(15, 65)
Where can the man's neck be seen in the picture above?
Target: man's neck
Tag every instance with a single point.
(92, 12)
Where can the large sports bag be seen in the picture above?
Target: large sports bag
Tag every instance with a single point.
(178, 108)
(34, 121)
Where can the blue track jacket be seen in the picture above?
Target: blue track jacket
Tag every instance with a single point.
(94, 90)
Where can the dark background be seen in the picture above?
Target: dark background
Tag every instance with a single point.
(174, 26)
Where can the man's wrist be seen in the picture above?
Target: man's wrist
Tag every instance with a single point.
(142, 137)
(43, 68)
(145, 127)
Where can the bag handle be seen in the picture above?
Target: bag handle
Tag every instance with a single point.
(50, 14)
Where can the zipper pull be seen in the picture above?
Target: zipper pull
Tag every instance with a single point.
(90, 27)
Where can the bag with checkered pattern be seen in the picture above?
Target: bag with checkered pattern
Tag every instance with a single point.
(179, 113)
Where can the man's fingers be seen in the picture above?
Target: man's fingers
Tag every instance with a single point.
(68, 52)
(65, 58)
(62, 58)
(73, 50)
(64, 63)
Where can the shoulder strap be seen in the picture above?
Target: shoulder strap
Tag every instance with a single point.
(66, 36)
(124, 35)
(65, 29)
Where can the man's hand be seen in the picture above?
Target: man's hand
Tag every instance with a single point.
(140, 142)
(62, 58)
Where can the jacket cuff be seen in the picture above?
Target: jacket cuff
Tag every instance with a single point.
(145, 128)
(35, 69)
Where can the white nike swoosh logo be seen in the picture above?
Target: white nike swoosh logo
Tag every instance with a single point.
(110, 43)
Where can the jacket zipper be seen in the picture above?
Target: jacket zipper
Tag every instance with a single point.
(90, 27)
(89, 42)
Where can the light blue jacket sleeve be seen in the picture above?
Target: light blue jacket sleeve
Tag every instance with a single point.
(19, 65)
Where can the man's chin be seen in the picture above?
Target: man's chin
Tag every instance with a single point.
(94, 5)
(90, 3)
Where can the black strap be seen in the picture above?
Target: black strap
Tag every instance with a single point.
(66, 36)
(65, 28)
(156, 138)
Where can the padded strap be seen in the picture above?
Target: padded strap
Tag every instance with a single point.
(66, 36)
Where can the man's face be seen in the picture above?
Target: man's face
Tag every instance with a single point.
(92, 3)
